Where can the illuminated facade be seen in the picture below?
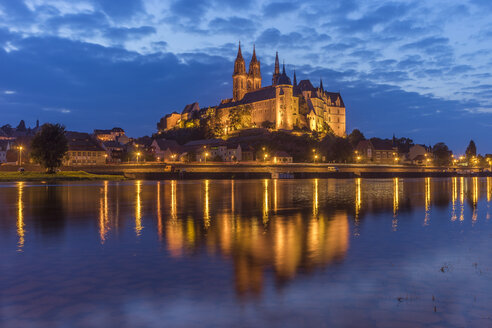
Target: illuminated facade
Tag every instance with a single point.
(283, 105)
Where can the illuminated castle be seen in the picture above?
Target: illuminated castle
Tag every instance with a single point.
(283, 105)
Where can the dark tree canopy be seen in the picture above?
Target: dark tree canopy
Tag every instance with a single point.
(22, 126)
(471, 150)
(355, 137)
(442, 154)
(403, 144)
(49, 146)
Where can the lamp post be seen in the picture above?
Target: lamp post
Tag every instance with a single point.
(138, 155)
(265, 157)
(315, 157)
(206, 155)
(20, 155)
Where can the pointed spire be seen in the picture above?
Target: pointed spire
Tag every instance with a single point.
(253, 59)
(283, 67)
(239, 53)
(321, 84)
(295, 78)
(277, 65)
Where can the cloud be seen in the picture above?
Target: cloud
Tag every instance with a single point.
(232, 25)
(58, 110)
(274, 38)
(9, 92)
(121, 9)
(121, 34)
(275, 9)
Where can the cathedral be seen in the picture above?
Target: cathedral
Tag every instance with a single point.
(283, 105)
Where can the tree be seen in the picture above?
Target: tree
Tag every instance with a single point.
(267, 125)
(471, 150)
(22, 126)
(442, 154)
(355, 137)
(240, 118)
(49, 146)
(403, 144)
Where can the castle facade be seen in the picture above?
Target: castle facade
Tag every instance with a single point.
(283, 105)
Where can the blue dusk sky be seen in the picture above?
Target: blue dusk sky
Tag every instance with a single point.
(420, 69)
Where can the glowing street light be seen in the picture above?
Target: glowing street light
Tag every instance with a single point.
(206, 155)
(20, 154)
(265, 157)
(138, 156)
(315, 157)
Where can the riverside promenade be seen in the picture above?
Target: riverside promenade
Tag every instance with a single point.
(253, 170)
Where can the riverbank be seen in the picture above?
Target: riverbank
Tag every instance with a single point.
(60, 176)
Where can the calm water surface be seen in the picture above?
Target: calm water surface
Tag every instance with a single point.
(275, 253)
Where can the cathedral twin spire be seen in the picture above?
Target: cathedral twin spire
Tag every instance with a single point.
(242, 82)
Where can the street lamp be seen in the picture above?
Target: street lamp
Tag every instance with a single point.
(206, 155)
(20, 154)
(265, 157)
(138, 155)
(315, 157)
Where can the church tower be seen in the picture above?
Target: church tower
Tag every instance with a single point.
(276, 73)
(239, 77)
(254, 73)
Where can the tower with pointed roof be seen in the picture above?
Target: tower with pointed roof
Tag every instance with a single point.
(276, 72)
(239, 77)
(254, 73)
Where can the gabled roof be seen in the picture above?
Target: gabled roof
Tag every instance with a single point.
(191, 108)
(112, 144)
(82, 141)
(334, 96)
(253, 96)
(98, 131)
(167, 144)
(382, 144)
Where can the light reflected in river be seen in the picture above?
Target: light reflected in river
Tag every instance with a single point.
(281, 244)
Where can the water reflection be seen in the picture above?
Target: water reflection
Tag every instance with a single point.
(138, 208)
(284, 226)
(396, 201)
(103, 213)
(20, 216)
(454, 197)
(427, 200)
(265, 201)
(315, 197)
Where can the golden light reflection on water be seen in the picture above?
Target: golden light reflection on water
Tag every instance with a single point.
(396, 202)
(265, 201)
(462, 198)
(316, 197)
(489, 189)
(20, 216)
(206, 206)
(233, 198)
(275, 196)
(489, 195)
(474, 198)
(294, 240)
(454, 197)
(427, 200)
(159, 212)
(103, 213)
(358, 199)
(174, 202)
(138, 208)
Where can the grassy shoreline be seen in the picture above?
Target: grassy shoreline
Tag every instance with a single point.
(60, 176)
